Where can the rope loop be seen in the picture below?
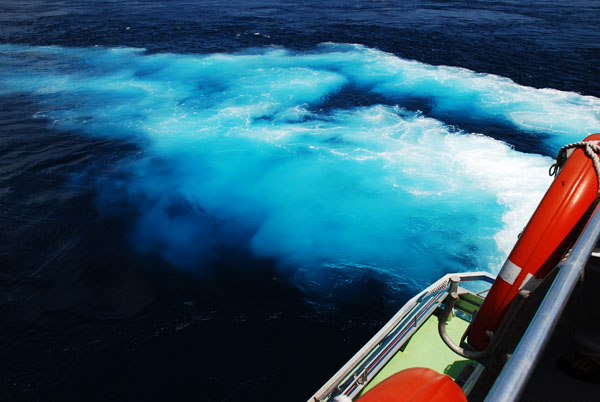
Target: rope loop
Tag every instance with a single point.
(591, 149)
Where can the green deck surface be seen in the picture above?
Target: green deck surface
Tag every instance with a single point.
(426, 349)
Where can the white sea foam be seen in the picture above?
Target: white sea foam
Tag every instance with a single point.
(235, 152)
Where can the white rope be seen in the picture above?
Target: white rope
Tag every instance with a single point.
(591, 149)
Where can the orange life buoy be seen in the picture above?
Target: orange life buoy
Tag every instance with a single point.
(418, 384)
(543, 242)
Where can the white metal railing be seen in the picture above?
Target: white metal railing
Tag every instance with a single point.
(512, 380)
(365, 364)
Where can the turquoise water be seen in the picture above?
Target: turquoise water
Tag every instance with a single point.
(243, 149)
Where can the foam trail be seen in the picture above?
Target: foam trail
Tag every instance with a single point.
(236, 152)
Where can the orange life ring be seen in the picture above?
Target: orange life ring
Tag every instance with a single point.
(543, 242)
(418, 384)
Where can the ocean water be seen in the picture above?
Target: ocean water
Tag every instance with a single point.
(222, 202)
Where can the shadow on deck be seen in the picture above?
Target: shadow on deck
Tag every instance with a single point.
(548, 382)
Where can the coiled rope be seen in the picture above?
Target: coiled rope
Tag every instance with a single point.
(591, 149)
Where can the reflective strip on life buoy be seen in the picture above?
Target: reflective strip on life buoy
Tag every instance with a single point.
(543, 242)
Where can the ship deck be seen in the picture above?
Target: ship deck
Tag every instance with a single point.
(426, 349)
(548, 383)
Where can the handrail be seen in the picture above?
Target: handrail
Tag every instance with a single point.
(350, 366)
(512, 380)
(359, 357)
(391, 342)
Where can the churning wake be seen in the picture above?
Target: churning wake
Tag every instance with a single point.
(251, 150)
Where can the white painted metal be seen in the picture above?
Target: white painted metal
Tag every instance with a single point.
(349, 367)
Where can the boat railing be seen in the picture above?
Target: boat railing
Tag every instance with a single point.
(514, 376)
(359, 370)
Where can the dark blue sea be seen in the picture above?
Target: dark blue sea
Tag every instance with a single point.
(222, 201)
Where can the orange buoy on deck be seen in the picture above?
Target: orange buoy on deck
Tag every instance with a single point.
(417, 384)
(543, 242)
